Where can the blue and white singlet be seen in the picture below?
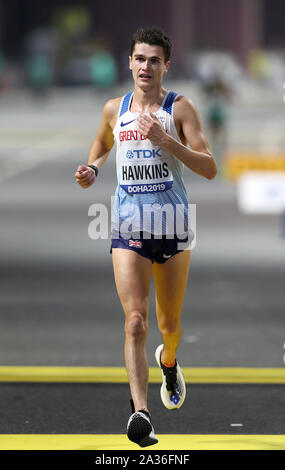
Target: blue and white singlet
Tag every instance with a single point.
(151, 195)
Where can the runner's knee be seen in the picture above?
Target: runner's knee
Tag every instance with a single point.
(136, 325)
(170, 327)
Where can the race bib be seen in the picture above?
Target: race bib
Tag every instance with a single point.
(145, 171)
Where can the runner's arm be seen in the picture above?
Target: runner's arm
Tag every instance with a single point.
(104, 139)
(199, 157)
(100, 148)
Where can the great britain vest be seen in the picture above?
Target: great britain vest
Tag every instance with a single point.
(151, 195)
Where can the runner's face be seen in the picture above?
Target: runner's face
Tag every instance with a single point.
(147, 64)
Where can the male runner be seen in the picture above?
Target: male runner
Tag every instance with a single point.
(157, 133)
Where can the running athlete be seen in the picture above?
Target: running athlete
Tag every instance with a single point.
(157, 133)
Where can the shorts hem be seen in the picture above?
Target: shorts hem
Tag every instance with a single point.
(130, 249)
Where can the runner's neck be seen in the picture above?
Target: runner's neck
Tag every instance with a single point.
(147, 102)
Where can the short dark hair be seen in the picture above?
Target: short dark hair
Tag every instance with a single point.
(155, 37)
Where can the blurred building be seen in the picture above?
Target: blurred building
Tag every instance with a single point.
(194, 25)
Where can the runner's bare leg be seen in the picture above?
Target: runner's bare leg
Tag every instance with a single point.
(171, 283)
(133, 274)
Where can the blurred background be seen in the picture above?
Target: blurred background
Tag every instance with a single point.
(59, 62)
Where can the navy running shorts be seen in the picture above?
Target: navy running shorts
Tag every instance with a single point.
(157, 250)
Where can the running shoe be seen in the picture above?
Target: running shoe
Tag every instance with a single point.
(173, 388)
(140, 429)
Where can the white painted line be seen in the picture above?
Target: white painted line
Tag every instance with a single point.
(236, 424)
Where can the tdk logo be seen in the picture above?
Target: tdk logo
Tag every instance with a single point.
(130, 154)
(146, 153)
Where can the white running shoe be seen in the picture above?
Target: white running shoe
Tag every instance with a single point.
(173, 388)
(140, 429)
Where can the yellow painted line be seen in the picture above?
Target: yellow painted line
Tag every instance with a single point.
(119, 375)
(110, 442)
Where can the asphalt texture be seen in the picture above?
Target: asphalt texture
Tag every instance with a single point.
(59, 305)
(72, 316)
(105, 409)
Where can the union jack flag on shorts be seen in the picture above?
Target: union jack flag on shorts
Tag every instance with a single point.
(135, 243)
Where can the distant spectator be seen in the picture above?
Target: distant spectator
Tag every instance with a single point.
(39, 72)
(103, 69)
(217, 93)
(258, 64)
(2, 70)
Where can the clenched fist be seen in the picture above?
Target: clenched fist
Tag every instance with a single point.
(151, 128)
(85, 176)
